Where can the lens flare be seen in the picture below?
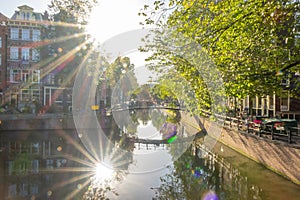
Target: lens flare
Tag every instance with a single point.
(103, 172)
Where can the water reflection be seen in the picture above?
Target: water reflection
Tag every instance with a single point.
(200, 174)
(55, 165)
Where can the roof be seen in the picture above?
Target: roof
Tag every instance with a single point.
(25, 8)
(3, 17)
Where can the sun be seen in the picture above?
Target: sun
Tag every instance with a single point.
(103, 172)
(108, 19)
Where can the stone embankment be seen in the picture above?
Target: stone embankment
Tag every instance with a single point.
(280, 157)
(33, 122)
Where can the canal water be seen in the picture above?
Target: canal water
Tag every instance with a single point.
(153, 154)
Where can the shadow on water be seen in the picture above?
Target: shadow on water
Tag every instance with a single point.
(56, 164)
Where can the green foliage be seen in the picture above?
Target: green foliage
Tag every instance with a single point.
(72, 11)
(247, 41)
(117, 69)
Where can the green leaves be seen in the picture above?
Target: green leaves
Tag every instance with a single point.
(76, 11)
(248, 41)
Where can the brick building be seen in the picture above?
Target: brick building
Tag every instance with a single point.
(33, 73)
(23, 55)
(3, 64)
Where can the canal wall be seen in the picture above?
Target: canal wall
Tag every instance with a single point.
(280, 157)
(33, 122)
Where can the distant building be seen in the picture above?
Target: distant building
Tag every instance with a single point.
(33, 62)
(23, 55)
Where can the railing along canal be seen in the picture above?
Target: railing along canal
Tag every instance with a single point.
(291, 134)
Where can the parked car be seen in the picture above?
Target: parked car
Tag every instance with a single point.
(276, 124)
(271, 123)
(288, 123)
(257, 121)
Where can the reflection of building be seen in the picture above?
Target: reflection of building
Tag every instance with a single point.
(30, 164)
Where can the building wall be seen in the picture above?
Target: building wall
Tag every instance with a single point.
(3, 64)
(24, 33)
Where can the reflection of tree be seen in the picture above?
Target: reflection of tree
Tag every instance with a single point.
(192, 177)
(174, 116)
(144, 116)
(163, 94)
(158, 118)
(181, 183)
(22, 163)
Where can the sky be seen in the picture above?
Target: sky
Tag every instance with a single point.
(110, 17)
(8, 7)
(113, 16)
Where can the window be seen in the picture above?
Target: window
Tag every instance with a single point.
(14, 75)
(10, 167)
(36, 76)
(36, 35)
(25, 75)
(0, 42)
(34, 188)
(14, 33)
(25, 95)
(14, 53)
(50, 79)
(23, 189)
(284, 101)
(271, 102)
(34, 166)
(12, 190)
(25, 34)
(25, 53)
(60, 163)
(35, 55)
(49, 164)
(35, 94)
(285, 81)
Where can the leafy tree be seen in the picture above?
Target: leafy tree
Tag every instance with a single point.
(120, 79)
(72, 11)
(248, 42)
(119, 67)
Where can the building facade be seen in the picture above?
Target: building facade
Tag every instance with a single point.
(3, 54)
(23, 55)
(32, 69)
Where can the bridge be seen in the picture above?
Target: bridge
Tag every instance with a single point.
(158, 142)
(124, 107)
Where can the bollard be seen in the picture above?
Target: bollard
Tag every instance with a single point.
(247, 124)
(272, 133)
(289, 136)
